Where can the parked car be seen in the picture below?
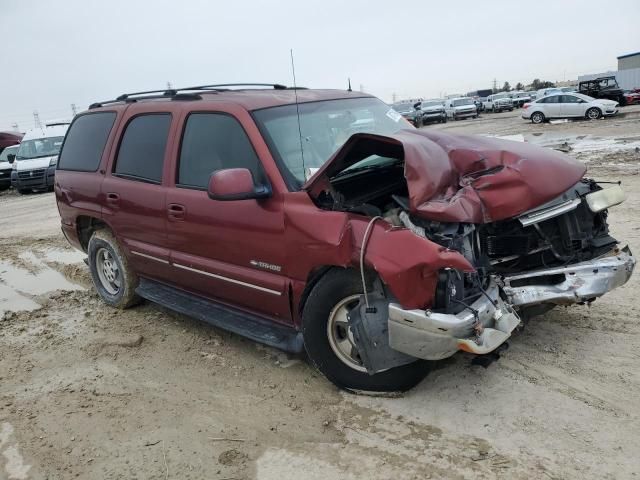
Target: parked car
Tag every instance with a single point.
(410, 112)
(543, 92)
(460, 108)
(632, 97)
(498, 102)
(35, 164)
(404, 244)
(520, 98)
(7, 157)
(603, 87)
(480, 103)
(433, 111)
(568, 89)
(568, 105)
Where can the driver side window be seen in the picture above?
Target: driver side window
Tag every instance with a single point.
(214, 141)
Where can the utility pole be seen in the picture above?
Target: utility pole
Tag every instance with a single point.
(495, 85)
(74, 110)
(36, 119)
(168, 85)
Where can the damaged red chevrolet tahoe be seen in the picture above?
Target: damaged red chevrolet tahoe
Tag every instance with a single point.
(320, 220)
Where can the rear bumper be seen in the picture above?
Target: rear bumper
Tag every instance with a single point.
(433, 336)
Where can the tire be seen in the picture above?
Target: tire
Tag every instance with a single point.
(335, 290)
(444, 120)
(537, 118)
(594, 113)
(112, 276)
(24, 191)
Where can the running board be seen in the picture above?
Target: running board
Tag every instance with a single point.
(221, 316)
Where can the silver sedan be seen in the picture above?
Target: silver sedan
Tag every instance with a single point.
(568, 105)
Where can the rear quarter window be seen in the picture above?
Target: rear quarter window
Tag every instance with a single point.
(85, 142)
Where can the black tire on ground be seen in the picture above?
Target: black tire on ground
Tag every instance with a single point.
(112, 276)
(537, 117)
(444, 120)
(24, 191)
(594, 113)
(332, 290)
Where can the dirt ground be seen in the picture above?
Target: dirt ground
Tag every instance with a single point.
(91, 392)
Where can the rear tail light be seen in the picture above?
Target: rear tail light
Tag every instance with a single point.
(525, 106)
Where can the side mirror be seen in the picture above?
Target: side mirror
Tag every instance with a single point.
(11, 157)
(235, 184)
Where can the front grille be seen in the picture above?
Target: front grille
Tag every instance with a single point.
(31, 174)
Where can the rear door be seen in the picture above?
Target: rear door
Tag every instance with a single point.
(133, 193)
(230, 251)
(552, 106)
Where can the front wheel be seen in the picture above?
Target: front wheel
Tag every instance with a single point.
(444, 120)
(112, 276)
(330, 344)
(594, 113)
(537, 117)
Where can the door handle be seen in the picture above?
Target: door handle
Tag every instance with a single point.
(113, 199)
(175, 211)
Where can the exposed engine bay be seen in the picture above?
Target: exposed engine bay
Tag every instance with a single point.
(530, 230)
(565, 232)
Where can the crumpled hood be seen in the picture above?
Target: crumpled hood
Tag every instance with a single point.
(462, 178)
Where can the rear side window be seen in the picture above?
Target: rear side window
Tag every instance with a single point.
(85, 142)
(214, 141)
(141, 153)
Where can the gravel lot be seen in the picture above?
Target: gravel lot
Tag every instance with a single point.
(91, 392)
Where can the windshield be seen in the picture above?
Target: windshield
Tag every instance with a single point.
(4, 155)
(462, 101)
(324, 127)
(431, 104)
(500, 95)
(39, 147)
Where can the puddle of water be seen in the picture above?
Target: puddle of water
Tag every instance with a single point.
(17, 283)
(68, 257)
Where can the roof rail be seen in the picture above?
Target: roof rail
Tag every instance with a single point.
(174, 93)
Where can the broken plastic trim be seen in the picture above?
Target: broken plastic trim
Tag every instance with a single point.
(545, 214)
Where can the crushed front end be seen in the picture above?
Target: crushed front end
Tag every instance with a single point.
(560, 253)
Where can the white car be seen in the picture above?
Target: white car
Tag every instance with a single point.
(568, 105)
(34, 167)
(5, 165)
(498, 102)
(462, 107)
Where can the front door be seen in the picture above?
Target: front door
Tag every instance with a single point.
(572, 106)
(133, 193)
(230, 251)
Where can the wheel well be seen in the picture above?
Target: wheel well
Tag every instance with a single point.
(316, 274)
(85, 227)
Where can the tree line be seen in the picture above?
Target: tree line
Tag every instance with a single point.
(537, 84)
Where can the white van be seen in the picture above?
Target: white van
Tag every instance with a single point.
(35, 163)
(461, 107)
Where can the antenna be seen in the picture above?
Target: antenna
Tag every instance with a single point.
(295, 91)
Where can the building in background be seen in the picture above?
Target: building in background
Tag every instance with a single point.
(629, 61)
(627, 75)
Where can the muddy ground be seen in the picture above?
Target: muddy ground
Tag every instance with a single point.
(91, 392)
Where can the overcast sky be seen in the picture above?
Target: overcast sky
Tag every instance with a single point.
(79, 51)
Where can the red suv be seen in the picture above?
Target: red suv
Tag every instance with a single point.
(321, 221)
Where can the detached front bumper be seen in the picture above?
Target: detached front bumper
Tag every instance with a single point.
(490, 320)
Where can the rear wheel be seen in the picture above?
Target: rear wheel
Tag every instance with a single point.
(594, 113)
(112, 276)
(537, 117)
(330, 345)
(24, 191)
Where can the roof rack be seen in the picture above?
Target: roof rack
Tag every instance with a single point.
(174, 93)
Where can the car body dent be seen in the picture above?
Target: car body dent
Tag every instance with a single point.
(462, 178)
